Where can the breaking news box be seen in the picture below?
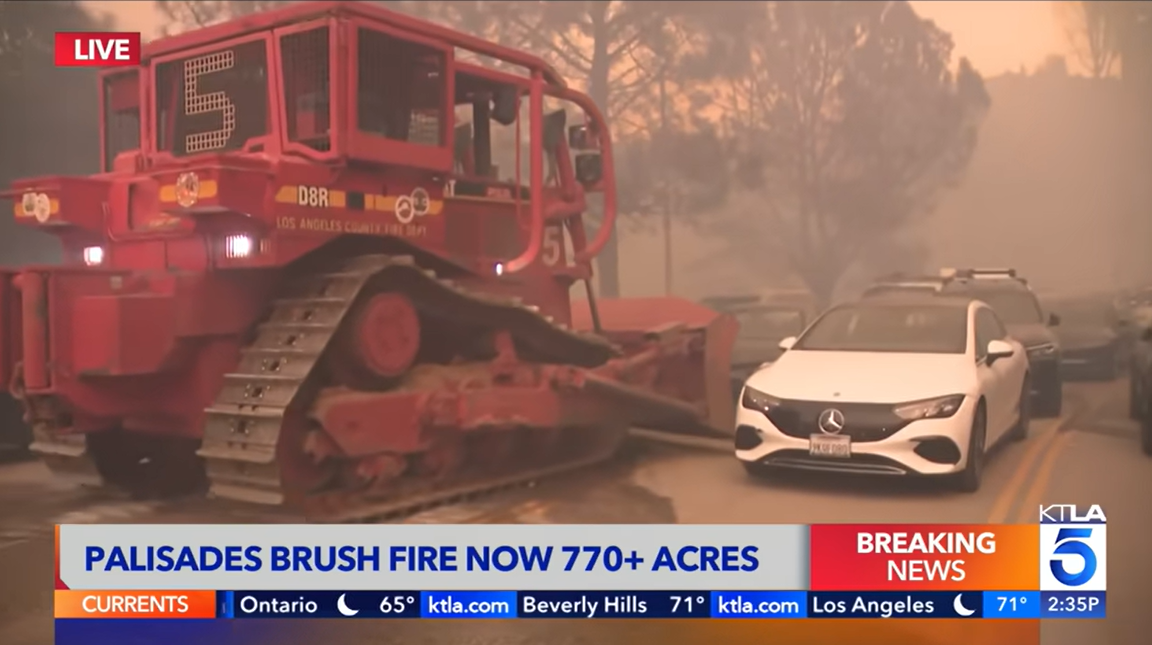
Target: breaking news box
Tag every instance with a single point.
(294, 583)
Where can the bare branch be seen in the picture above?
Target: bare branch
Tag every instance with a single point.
(567, 52)
(1091, 30)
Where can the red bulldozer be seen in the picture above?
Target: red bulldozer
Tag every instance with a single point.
(329, 263)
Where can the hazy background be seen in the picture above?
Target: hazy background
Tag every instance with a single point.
(1041, 191)
(997, 36)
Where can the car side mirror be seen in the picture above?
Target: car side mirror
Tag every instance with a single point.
(1053, 320)
(787, 343)
(999, 349)
(589, 169)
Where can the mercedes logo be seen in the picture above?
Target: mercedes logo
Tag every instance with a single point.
(831, 421)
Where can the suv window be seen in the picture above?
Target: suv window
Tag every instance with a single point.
(981, 336)
(987, 319)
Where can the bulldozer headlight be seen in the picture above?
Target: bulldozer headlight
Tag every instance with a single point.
(238, 246)
(187, 189)
(37, 205)
(94, 256)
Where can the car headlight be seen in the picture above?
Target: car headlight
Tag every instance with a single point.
(937, 408)
(1041, 351)
(758, 401)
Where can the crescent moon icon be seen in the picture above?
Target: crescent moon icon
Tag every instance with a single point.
(957, 605)
(348, 611)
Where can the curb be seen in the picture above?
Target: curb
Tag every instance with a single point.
(684, 441)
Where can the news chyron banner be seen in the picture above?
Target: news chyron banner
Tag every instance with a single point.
(244, 573)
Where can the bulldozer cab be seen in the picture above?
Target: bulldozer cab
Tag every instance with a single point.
(354, 85)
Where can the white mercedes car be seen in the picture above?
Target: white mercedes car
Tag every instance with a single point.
(901, 385)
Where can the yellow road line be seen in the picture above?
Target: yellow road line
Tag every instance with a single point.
(1032, 498)
(1003, 504)
(1046, 451)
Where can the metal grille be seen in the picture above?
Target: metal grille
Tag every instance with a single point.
(306, 87)
(215, 102)
(501, 236)
(864, 422)
(121, 115)
(400, 89)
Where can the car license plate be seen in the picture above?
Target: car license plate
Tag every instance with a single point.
(830, 445)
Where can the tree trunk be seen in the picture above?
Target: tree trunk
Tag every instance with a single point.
(668, 197)
(1136, 77)
(821, 282)
(598, 78)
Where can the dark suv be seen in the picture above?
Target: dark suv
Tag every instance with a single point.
(765, 320)
(1013, 300)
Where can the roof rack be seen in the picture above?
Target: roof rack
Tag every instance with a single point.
(977, 273)
(949, 273)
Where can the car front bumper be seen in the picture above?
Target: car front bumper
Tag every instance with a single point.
(924, 447)
(1046, 375)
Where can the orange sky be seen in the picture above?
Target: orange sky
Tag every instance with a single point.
(997, 36)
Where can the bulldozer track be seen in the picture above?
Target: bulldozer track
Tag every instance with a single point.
(243, 426)
(243, 429)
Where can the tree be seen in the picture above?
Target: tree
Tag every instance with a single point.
(675, 173)
(613, 48)
(1092, 30)
(49, 120)
(1054, 65)
(849, 121)
(190, 14)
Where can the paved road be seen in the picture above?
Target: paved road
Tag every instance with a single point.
(1089, 456)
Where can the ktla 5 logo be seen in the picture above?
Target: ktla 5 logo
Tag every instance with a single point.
(1073, 549)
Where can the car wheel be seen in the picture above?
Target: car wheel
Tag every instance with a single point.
(968, 480)
(1146, 433)
(1135, 397)
(1051, 403)
(756, 469)
(1020, 430)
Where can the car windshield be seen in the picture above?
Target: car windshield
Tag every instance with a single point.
(770, 324)
(917, 329)
(1013, 307)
